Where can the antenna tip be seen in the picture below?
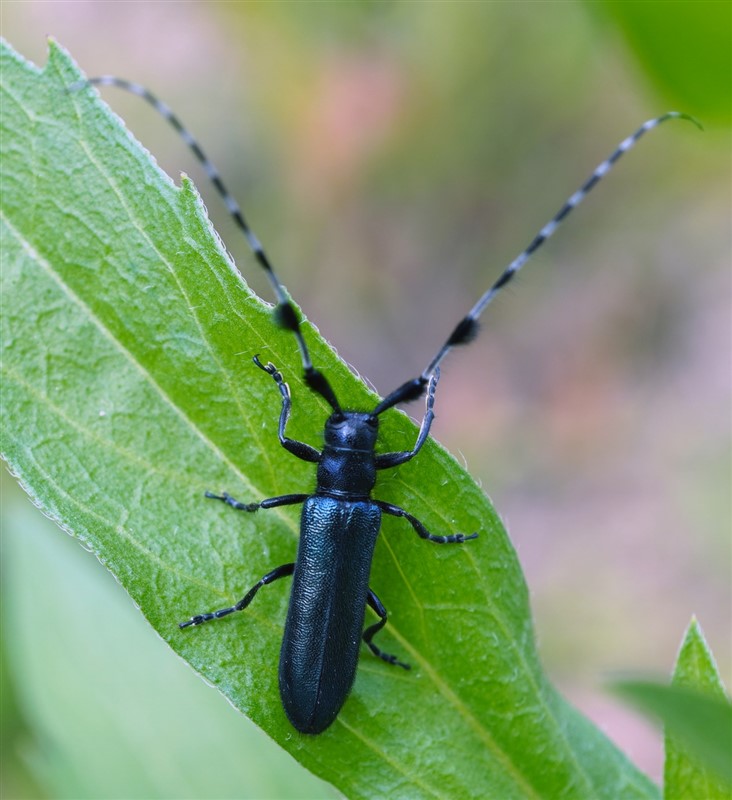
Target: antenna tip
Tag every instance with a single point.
(684, 115)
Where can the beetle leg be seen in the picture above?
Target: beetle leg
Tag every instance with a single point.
(270, 502)
(299, 449)
(281, 572)
(372, 630)
(396, 511)
(387, 460)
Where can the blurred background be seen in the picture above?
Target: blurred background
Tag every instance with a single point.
(393, 157)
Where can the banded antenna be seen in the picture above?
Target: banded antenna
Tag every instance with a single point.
(286, 316)
(467, 329)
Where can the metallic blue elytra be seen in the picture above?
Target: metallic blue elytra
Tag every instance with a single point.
(325, 618)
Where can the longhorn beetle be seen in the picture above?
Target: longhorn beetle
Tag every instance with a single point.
(340, 520)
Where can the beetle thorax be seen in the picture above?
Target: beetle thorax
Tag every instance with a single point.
(347, 467)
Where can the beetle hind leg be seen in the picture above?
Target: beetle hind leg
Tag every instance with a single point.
(281, 572)
(372, 630)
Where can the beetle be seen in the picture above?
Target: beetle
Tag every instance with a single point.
(340, 521)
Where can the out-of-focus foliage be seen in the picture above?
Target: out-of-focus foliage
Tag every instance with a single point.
(696, 714)
(698, 746)
(685, 49)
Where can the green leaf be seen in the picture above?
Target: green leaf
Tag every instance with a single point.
(704, 738)
(128, 390)
(685, 48)
(697, 716)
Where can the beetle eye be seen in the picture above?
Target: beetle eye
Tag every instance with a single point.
(372, 421)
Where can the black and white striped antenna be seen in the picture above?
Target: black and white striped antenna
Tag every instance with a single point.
(465, 331)
(285, 314)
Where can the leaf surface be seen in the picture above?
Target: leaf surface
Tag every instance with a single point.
(128, 390)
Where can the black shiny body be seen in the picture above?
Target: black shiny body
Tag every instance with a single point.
(339, 525)
(338, 529)
(327, 607)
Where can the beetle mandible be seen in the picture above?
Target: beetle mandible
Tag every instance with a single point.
(340, 520)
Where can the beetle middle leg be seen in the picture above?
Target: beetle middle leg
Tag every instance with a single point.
(372, 630)
(396, 511)
(270, 502)
(281, 572)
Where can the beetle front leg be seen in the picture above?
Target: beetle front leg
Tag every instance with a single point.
(372, 630)
(299, 449)
(396, 511)
(387, 460)
(281, 572)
